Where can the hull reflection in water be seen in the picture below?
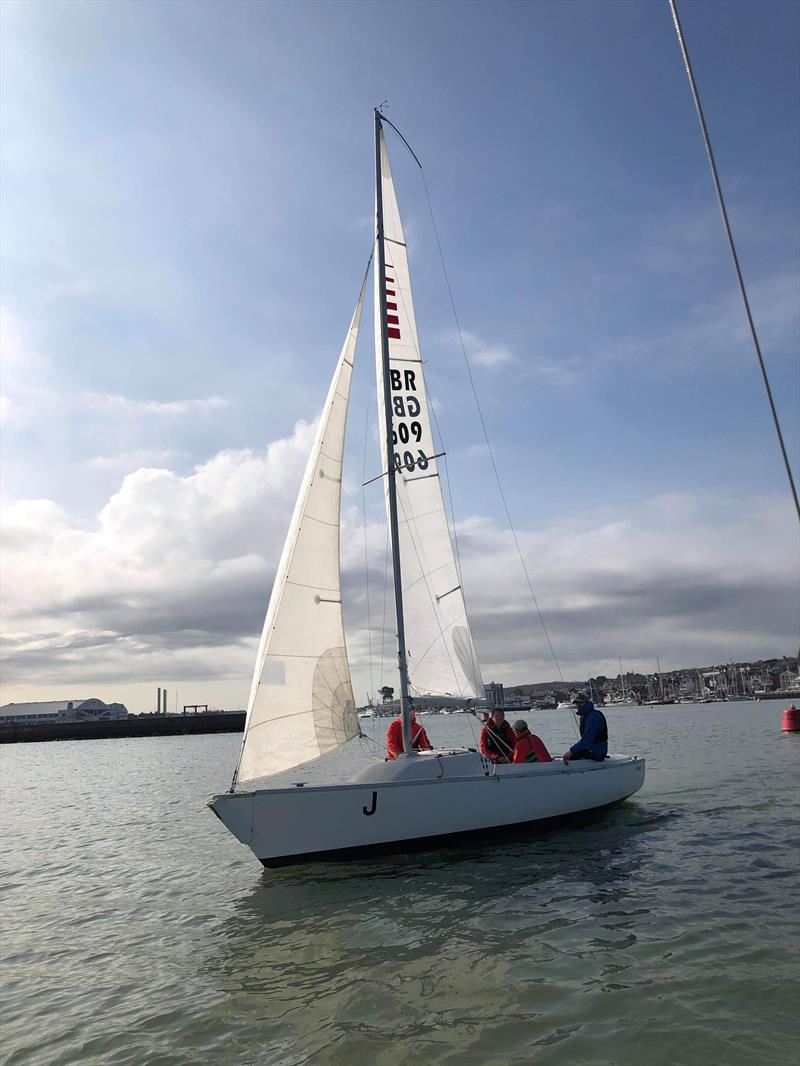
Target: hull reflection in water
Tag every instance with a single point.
(422, 802)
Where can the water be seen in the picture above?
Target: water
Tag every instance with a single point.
(136, 930)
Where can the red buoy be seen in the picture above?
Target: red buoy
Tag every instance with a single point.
(790, 719)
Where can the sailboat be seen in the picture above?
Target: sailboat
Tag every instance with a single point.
(301, 702)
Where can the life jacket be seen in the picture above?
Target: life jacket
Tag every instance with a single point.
(523, 749)
(497, 739)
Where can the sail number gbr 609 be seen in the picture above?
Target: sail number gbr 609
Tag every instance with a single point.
(406, 428)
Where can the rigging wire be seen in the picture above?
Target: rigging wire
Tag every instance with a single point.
(416, 539)
(385, 597)
(485, 432)
(715, 175)
(477, 401)
(366, 549)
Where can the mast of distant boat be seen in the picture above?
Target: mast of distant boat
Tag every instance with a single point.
(391, 471)
(622, 681)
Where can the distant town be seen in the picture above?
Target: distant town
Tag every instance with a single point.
(697, 684)
(763, 679)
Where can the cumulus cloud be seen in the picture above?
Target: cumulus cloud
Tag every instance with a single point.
(175, 570)
(172, 578)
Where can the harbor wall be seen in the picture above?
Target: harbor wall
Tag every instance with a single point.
(143, 725)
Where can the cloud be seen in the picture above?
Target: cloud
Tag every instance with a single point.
(173, 572)
(22, 370)
(718, 329)
(133, 460)
(110, 403)
(172, 576)
(484, 353)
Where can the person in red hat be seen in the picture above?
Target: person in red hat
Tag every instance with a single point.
(394, 737)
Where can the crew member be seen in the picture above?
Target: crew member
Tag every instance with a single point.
(394, 737)
(594, 732)
(497, 738)
(527, 746)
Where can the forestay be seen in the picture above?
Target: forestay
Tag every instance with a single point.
(441, 655)
(301, 701)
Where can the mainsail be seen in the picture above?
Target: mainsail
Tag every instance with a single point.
(301, 701)
(440, 652)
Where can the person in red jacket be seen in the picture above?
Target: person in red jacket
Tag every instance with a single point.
(394, 737)
(528, 747)
(497, 738)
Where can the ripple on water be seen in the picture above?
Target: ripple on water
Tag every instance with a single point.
(142, 933)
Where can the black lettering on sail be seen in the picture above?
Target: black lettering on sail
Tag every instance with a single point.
(396, 380)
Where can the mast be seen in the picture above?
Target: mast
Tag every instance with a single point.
(391, 473)
(622, 679)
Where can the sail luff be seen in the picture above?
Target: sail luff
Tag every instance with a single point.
(301, 702)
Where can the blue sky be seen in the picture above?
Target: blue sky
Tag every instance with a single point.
(187, 195)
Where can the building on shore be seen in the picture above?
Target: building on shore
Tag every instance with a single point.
(63, 710)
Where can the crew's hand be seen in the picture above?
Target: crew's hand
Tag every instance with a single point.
(567, 756)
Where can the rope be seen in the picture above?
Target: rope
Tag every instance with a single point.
(451, 525)
(424, 572)
(366, 549)
(509, 748)
(704, 130)
(485, 433)
(385, 597)
(475, 396)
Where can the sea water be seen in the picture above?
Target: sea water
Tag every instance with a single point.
(136, 930)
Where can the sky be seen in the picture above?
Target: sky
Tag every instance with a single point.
(187, 210)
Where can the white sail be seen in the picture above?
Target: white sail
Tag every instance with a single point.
(441, 654)
(301, 701)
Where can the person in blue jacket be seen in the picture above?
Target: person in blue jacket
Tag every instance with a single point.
(594, 732)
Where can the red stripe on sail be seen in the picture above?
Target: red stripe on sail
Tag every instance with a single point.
(392, 331)
(390, 292)
(393, 319)
(391, 306)
(390, 280)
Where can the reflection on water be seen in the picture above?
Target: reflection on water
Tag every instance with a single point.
(447, 941)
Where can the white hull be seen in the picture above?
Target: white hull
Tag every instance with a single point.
(410, 802)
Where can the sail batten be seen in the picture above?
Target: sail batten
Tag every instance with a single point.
(441, 655)
(301, 701)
